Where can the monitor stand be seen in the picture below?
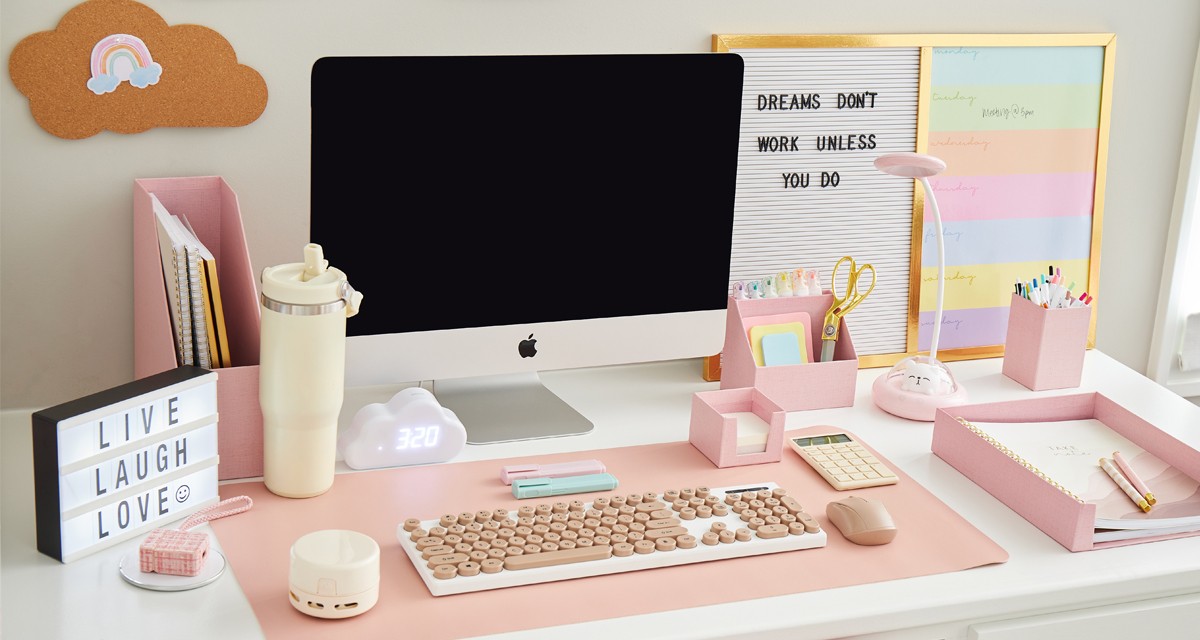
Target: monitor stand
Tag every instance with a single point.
(509, 407)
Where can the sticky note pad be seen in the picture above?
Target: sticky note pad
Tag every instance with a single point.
(781, 348)
(797, 331)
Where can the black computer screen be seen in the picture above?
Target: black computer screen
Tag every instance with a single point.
(467, 191)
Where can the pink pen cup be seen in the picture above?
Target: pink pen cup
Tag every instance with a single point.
(1044, 348)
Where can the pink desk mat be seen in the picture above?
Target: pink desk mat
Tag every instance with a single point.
(256, 544)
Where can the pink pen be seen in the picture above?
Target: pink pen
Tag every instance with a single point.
(557, 470)
(1132, 477)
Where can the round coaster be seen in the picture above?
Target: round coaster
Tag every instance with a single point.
(131, 571)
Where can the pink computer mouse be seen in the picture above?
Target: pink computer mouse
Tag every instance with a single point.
(862, 520)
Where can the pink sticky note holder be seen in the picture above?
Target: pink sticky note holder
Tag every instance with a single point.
(715, 433)
(795, 387)
(1044, 348)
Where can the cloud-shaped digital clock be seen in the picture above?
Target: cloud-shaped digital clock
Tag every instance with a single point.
(411, 428)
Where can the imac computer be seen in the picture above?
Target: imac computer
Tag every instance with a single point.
(510, 214)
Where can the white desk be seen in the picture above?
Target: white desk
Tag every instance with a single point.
(1144, 590)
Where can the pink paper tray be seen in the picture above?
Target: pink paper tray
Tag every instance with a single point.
(1060, 516)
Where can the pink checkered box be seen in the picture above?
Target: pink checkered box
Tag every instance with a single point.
(173, 552)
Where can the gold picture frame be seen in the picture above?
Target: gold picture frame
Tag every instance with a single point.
(932, 53)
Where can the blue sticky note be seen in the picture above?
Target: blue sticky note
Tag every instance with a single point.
(781, 348)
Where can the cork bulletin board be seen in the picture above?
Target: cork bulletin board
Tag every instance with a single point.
(117, 65)
(1022, 123)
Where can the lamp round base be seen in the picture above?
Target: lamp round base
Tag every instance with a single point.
(900, 390)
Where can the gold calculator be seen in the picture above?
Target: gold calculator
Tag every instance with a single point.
(842, 461)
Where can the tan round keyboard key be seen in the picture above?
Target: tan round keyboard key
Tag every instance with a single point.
(448, 558)
(436, 550)
(491, 565)
(643, 546)
(648, 507)
(561, 556)
(790, 503)
(669, 532)
(429, 541)
(772, 531)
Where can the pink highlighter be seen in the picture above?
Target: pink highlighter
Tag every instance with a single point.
(558, 470)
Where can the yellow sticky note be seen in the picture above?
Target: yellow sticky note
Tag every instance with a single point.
(799, 329)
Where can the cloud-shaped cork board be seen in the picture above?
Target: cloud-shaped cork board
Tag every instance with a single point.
(116, 65)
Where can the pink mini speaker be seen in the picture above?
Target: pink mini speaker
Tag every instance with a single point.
(173, 552)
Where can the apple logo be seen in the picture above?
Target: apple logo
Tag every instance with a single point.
(528, 347)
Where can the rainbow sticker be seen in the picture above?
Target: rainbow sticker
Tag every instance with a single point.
(122, 57)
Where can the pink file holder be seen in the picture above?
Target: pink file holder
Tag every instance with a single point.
(715, 434)
(1044, 348)
(797, 387)
(211, 207)
(1058, 515)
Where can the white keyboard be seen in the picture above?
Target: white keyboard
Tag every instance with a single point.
(493, 549)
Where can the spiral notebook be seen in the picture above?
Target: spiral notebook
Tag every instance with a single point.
(1066, 454)
(175, 272)
(193, 292)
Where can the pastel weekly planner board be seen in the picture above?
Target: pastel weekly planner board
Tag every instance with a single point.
(1021, 122)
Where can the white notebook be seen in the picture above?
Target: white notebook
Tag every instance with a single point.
(173, 251)
(1068, 452)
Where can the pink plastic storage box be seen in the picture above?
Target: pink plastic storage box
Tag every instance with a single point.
(1044, 348)
(211, 207)
(715, 433)
(797, 387)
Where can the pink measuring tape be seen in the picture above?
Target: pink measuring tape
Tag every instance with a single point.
(178, 552)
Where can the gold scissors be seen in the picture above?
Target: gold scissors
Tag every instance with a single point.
(843, 304)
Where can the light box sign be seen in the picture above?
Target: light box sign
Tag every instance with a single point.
(120, 462)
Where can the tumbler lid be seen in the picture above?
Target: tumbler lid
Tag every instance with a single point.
(311, 287)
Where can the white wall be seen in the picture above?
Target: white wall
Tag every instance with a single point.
(65, 206)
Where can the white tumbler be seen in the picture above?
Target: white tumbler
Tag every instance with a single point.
(302, 366)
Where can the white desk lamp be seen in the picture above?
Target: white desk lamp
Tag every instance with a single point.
(917, 386)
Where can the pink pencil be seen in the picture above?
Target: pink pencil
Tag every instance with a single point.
(1133, 478)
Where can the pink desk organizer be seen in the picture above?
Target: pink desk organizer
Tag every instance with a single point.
(211, 207)
(716, 434)
(1044, 348)
(1060, 516)
(798, 387)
